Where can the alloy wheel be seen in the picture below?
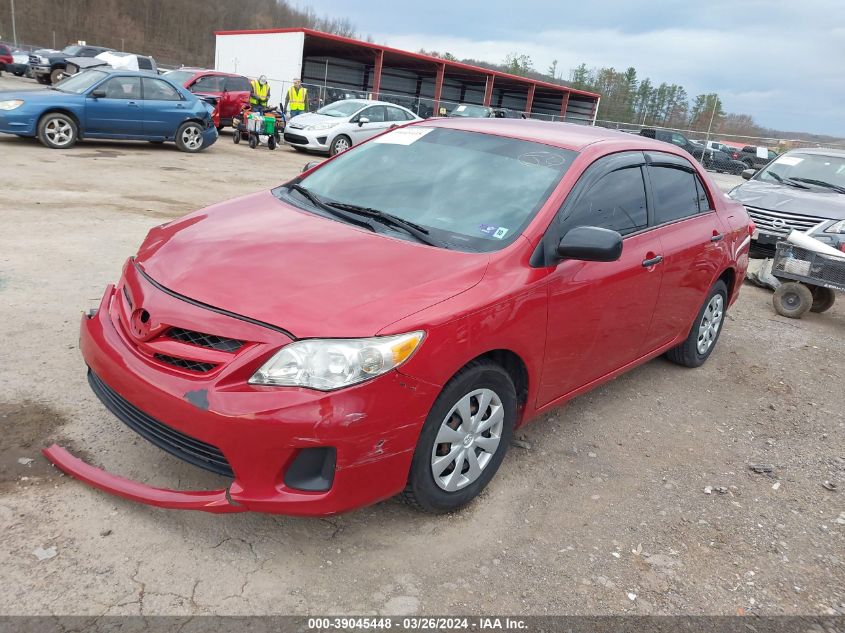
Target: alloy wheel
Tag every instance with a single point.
(341, 145)
(59, 132)
(192, 137)
(711, 320)
(468, 438)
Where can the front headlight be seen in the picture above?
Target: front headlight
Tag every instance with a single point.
(839, 227)
(328, 364)
(11, 104)
(321, 126)
(43, 60)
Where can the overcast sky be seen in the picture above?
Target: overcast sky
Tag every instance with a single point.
(780, 61)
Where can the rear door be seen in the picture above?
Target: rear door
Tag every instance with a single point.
(118, 114)
(235, 97)
(600, 312)
(693, 240)
(164, 108)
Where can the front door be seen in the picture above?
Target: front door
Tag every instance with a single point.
(119, 112)
(600, 312)
(376, 123)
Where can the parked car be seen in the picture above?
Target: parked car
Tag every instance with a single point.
(49, 68)
(720, 161)
(384, 321)
(802, 190)
(753, 160)
(342, 124)
(20, 63)
(468, 110)
(113, 104)
(675, 138)
(6, 59)
(112, 59)
(231, 90)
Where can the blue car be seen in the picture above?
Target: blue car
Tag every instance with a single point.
(109, 104)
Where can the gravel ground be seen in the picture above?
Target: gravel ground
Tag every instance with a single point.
(606, 512)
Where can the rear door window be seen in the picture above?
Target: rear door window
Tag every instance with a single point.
(237, 84)
(675, 192)
(209, 83)
(158, 90)
(617, 202)
(395, 114)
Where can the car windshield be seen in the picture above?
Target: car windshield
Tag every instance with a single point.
(471, 191)
(179, 77)
(71, 50)
(341, 109)
(816, 170)
(77, 84)
(471, 111)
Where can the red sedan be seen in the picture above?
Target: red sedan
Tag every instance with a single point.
(382, 323)
(232, 91)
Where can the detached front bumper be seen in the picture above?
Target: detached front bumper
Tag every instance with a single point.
(366, 434)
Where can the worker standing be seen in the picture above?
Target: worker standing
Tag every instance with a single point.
(259, 93)
(297, 98)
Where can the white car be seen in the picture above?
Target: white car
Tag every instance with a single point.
(342, 124)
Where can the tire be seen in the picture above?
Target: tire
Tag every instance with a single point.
(18, 74)
(271, 143)
(823, 299)
(340, 144)
(705, 331)
(792, 299)
(236, 137)
(57, 130)
(253, 141)
(56, 75)
(749, 164)
(429, 492)
(42, 79)
(189, 137)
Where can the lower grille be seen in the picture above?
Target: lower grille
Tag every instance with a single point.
(295, 138)
(166, 438)
(184, 363)
(780, 223)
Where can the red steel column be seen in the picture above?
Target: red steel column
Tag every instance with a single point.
(564, 103)
(530, 100)
(377, 73)
(488, 90)
(438, 87)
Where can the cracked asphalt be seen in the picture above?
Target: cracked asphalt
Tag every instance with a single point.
(605, 512)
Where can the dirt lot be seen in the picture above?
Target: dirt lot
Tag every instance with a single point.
(604, 513)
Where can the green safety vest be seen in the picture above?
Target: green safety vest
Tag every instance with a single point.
(297, 101)
(260, 93)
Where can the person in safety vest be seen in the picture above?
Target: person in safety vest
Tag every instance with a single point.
(259, 93)
(296, 99)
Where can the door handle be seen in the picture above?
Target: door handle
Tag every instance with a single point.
(647, 263)
(132, 104)
(717, 237)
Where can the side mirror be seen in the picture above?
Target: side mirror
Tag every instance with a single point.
(311, 164)
(362, 120)
(747, 174)
(590, 244)
(98, 94)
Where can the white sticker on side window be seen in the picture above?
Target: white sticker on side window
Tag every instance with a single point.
(788, 160)
(403, 136)
(460, 108)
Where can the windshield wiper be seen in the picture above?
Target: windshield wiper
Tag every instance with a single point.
(415, 230)
(317, 201)
(821, 183)
(790, 182)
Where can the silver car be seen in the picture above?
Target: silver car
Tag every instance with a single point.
(342, 124)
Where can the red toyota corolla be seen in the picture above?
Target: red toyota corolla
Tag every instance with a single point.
(382, 323)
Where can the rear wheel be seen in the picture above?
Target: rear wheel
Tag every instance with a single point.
(464, 439)
(271, 142)
(792, 299)
(699, 344)
(42, 79)
(57, 130)
(189, 137)
(823, 299)
(236, 137)
(253, 141)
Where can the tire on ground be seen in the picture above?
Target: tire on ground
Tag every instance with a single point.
(58, 130)
(823, 299)
(180, 141)
(687, 353)
(792, 299)
(339, 140)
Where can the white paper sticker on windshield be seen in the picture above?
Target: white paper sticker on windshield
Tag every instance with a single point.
(788, 160)
(403, 136)
(460, 108)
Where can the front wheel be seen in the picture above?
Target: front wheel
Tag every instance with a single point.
(823, 299)
(236, 138)
(340, 144)
(464, 439)
(792, 299)
(705, 331)
(57, 75)
(57, 131)
(189, 137)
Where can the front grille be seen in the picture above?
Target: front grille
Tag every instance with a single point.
(295, 138)
(166, 438)
(780, 223)
(220, 343)
(184, 363)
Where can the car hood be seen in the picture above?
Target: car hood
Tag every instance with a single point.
(37, 96)
(312, 276)
(312, 118)
(775, 197)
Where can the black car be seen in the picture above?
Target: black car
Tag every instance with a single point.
(802, 190)
(472, 111)
(753, 160)
(675, 138)
(50, 68)
(717, 160)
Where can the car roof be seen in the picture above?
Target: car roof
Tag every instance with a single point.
(202, 71)
(565, 135)
(822, 151)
